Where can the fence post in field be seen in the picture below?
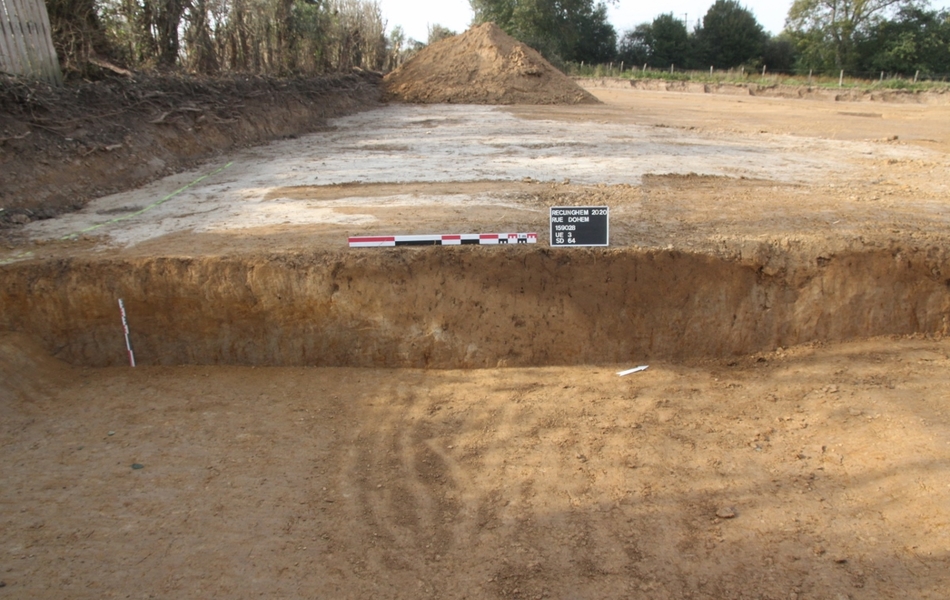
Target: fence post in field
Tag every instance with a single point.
(26, 46)
(916, 75)
(841, 78)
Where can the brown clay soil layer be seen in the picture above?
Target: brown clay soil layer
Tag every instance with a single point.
(60, 147)
(468, 307)
(788, 440)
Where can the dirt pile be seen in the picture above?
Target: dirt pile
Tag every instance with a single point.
(482, 66)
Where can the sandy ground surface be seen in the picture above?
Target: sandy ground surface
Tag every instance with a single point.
(681, 169)
(809, 473)
(812, 472)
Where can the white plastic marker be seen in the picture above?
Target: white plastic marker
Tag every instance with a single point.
(458, 239)
(125, 326)
(634, 370)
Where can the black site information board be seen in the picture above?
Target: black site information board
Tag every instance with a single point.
(580, 226)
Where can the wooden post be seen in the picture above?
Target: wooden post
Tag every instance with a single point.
(14, 26)
(809, 76)
(26, 46)
(841, 78)
(29, 20)
(710, 71)
(45, 37)
(916, 75)
(763, 70)
(882, 76)
(671, 69)
(9, 55)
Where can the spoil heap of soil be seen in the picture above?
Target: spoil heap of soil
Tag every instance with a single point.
(482, 66)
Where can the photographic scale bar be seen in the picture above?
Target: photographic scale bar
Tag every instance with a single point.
(382, 241)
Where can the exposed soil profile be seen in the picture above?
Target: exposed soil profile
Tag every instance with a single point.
(484, 65)
(308, 420)
(60, 147)
(466, 308)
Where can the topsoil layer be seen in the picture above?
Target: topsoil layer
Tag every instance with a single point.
(482, 66)
(60, 147)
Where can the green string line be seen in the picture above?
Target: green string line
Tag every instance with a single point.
(15, 257)
(149, 207)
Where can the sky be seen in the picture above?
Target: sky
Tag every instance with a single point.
(415, 16)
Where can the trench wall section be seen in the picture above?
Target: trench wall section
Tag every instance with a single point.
(465, 307)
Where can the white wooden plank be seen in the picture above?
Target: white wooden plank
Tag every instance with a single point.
(9, 55)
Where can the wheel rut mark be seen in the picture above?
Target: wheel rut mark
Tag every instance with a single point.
(404, 487)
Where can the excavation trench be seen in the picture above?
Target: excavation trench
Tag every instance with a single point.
(466, 307)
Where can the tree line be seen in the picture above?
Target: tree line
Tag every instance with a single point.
(306, 37)
(272, 37)
(821, 36)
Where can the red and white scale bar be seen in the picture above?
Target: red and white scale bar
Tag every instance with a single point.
(459, 239)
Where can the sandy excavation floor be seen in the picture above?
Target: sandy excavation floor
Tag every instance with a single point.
(681, 169)
(815, 472)
(812, 473)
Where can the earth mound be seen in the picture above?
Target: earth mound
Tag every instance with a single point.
(484, 65)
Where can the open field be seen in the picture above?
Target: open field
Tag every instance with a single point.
(315, 421)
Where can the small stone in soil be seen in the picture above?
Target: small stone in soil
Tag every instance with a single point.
(726, 512)
(137, 466)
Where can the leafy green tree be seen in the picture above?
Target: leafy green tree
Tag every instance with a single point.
(916, 39)
(828, 31)
(669, 43)
(572, 30)
(730, 36)
(439, 32)
(596, 37)
(635, 45)
(779, 53)
(660, 44)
